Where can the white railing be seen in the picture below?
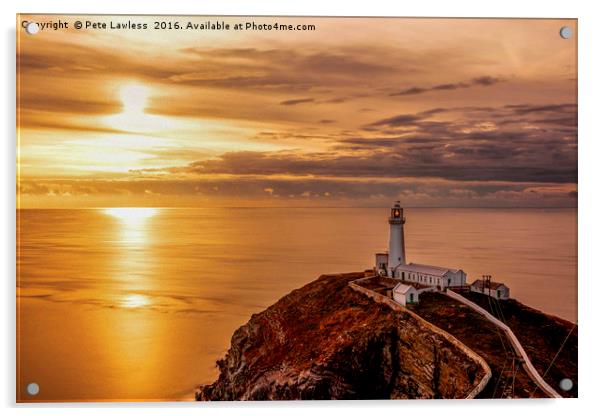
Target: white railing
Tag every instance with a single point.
(518, 348)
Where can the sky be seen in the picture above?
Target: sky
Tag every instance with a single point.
(358, 112)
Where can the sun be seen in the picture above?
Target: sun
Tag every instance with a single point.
(133, 117)
(133, 98)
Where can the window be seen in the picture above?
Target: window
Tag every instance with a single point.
(411, 298)
(498, 293)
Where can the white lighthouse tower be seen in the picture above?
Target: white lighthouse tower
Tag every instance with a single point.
(397, 250)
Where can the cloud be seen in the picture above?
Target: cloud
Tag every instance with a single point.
(56, 59)
(483, 81)
(521, 150)
(523, 109)
(57, 103)
(38, 120)
(373, 192)
(470, 162)
(400, 120)
(405, 119)
(301, 117)
(336, 100)
(297, 101)
(281, 68)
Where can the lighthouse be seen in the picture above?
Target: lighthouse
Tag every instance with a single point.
(397, 250)
(421, 276)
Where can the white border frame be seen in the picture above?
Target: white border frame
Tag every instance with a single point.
(590, 232)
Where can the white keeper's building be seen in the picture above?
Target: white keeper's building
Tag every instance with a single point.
(393, 263)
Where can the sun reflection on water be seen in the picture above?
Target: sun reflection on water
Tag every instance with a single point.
(134, 301)
(133, 231)
(131, 216)
(133, 262)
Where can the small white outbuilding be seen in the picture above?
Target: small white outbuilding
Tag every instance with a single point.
(405, 294)
(494, 289)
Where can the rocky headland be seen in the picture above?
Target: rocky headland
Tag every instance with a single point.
(328, 341)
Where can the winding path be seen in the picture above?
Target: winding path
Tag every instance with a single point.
(518, 348)
(398, 307)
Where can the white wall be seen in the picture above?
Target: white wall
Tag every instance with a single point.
(381, 258)
(396, 255)
(422, 278)
(404, 298)
(457, 279)
(504, 292)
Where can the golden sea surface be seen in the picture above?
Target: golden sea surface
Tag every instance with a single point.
(138, 303)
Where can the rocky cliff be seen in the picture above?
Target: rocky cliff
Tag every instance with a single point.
(326, 341)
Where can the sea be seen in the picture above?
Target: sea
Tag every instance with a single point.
(127, 304)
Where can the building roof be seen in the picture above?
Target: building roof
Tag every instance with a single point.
(494, 285)
(403, 288)
(426, 269)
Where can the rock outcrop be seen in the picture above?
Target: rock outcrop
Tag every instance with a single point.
(326, 341)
